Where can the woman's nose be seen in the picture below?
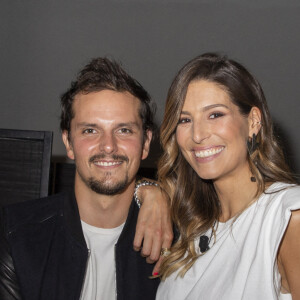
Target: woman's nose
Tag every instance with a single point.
(200, 131)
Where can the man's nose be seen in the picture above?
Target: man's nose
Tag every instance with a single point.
(108, 143)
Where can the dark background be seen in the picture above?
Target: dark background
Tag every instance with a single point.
(44, 43)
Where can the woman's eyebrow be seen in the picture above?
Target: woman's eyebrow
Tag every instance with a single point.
(214, 106)
(205, 108)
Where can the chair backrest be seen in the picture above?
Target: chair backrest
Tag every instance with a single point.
(24, 164)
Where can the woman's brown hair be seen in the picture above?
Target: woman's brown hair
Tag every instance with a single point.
(194, 201)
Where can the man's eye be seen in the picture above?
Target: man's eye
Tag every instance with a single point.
(89, 131)
(125, 130)
(216, 115)
(184, 120)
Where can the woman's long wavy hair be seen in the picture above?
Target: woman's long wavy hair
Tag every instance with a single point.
(194, 202)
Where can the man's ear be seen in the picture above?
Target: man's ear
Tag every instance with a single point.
(146, 146)
(68, 144)
(254, 121)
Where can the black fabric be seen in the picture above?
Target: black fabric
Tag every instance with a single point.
(130, 264)
(50, 254)
(9, 284)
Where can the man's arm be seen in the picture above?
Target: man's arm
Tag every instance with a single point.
(154, 227)
(9, 286)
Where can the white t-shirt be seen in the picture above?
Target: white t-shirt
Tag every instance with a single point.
(242, 262)
(100, 277)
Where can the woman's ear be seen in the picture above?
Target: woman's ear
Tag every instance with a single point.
(254, 121)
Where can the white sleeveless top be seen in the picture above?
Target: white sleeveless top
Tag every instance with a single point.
(242, 262)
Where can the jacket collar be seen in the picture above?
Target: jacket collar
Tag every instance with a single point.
(72, 217)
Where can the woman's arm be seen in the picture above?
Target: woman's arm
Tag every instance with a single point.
(154, 226)
(289, 257)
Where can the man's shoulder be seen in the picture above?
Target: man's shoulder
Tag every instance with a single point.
(34, 211)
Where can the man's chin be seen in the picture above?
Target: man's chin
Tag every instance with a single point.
(106, 188)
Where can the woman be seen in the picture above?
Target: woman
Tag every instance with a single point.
(233, 199)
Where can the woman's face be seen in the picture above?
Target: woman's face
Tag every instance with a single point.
(212, 133)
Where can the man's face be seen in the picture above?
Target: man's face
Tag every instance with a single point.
(106, 140)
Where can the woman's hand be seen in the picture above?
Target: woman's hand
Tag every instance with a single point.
(154, 226)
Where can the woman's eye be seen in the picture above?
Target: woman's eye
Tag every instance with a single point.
(216, 115)
(184, 120)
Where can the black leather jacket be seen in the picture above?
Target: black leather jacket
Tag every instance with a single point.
(43, 254)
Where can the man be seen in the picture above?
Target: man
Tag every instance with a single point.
(80, 246)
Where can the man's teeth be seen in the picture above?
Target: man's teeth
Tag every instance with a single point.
(208, 152)
(107, 163)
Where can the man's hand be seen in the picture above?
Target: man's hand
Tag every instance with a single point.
(154, 226)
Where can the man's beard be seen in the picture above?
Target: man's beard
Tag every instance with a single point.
(104, 186)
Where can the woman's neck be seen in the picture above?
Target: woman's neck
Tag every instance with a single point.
(235, 195)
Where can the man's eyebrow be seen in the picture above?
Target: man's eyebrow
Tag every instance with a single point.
(123, 124)
(131, 124)
(85, 124)
(206, 108)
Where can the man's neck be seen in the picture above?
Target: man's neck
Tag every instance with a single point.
(103, 211)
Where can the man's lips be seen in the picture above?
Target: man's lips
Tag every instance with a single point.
(102, 163)
(108, 161)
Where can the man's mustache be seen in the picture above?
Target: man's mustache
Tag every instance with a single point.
(110, 157)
